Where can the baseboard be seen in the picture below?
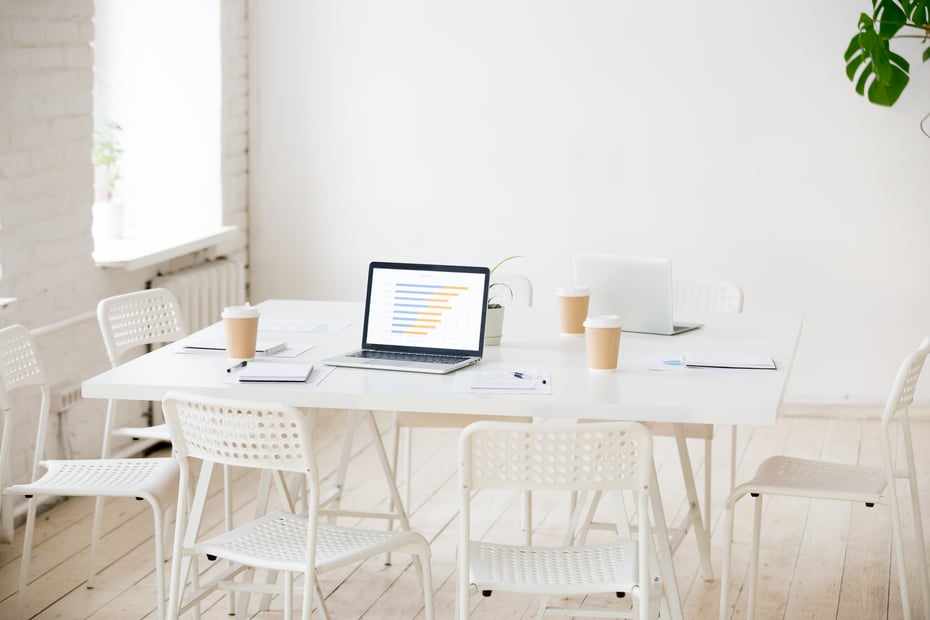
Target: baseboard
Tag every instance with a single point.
(848, 411)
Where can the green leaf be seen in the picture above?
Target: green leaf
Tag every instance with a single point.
(919, 12)
(926, 54)
(890, 16)
(887, 94)
(878, 73)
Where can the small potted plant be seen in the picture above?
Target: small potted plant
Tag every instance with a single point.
(498, 292)
(108, 209)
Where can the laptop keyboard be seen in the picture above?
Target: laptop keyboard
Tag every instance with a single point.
(410, 357)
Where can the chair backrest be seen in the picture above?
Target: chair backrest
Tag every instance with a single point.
(127, 321)
(718, 296)
(241, 433)
(20, 367)
(902, 392)
(512, 289)
(564, 456)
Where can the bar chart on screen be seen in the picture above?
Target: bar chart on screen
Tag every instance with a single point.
(426, 309)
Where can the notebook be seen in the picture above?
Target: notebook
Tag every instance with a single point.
(274, 372)
(637, 288)
(421, 318)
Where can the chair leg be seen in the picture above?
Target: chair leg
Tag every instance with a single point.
(94, 537)
(27, 557)
(733, 438)
(754, 560)
(918, 520)
(159, 523)
(395, 449)
(288, 595)
(426, 580)
(708, 458)
(727, 559)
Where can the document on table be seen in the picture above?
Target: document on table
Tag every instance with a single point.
(717, 360)
(266, 347)
(279, 372)
(502, 382)
(270, 372)
(713, 361)
(302, 325)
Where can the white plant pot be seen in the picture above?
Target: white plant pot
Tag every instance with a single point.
(493, 326)
(108, 220)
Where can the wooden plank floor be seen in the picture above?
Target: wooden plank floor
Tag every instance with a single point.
(819, 559)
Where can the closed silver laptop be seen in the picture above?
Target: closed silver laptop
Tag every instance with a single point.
(421, 318)
(637, 288)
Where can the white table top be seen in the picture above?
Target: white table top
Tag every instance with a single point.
(531, 340)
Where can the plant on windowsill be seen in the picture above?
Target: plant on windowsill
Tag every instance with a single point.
(108, 209)
(497, 293)
(879, 73)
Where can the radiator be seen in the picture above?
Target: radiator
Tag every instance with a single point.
(204, 290)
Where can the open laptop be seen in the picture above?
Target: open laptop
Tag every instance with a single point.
(637, 288)
(421, 318)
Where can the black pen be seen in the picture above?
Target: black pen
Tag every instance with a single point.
(520, 375)
(239, 365)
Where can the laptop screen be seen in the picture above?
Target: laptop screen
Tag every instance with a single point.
(426, 308)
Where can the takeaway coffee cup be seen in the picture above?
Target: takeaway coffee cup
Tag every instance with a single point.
(241, 324)
(602, 340)
(573, 308)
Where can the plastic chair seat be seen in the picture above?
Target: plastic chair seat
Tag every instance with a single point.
(158, 432)
(783, 475)
(568, 570)
(154, 479)
(277, 541)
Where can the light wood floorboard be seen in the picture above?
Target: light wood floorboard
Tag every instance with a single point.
(819, 559)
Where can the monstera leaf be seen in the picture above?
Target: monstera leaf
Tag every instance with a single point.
(879, 73)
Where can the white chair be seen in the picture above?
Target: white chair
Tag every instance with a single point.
(133, 320)
(275, 439)
(691, 297)
(611, 456)
(154, 480)
(795, 477)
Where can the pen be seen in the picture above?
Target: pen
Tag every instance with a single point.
(520, 375)
(239, 365)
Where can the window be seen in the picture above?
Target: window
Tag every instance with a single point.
(157, 74)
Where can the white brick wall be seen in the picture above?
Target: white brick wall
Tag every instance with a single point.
(46, 193)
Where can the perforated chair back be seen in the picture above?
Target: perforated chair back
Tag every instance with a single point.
(19, 364)
(19, 368)
(234, 432)
(902, 391)
(717, 296)
(591, 457)
(127, 321)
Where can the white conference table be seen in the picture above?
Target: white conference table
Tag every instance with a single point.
(531, 340)
(634, 392)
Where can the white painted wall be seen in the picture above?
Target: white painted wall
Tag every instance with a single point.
(725, 136)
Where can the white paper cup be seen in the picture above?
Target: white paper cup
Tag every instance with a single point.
(573, 308)
(602, 340)
(241, 325)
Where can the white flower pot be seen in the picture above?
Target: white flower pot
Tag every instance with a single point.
(108, 220)
(493, 326)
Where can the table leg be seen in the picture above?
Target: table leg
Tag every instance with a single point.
(696, 520)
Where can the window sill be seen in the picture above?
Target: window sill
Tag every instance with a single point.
(134, 254)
